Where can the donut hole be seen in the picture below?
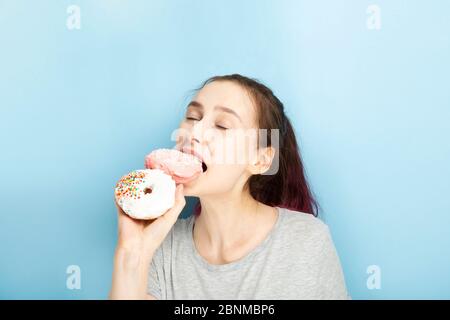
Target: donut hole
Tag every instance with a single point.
(204, 167)
(148, 190)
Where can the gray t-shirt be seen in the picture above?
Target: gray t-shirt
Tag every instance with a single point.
(297, 260)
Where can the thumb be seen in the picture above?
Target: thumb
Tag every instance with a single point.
(180, 201)
(179, 204)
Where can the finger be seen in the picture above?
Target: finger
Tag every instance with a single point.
(180, 201)
(179, 195)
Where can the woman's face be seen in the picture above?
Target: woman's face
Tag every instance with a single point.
(220, 127)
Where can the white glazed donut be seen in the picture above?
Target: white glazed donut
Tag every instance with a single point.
(145, 194)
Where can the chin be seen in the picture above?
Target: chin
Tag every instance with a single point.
(197, 190)
(190, 189)
(188, 192)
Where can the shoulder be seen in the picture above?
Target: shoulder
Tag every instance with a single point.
(311, 240)
(303, 224)
(305, 232)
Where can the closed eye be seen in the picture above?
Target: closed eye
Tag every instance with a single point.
(195, 119)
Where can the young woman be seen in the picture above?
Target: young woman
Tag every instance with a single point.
(254, 234)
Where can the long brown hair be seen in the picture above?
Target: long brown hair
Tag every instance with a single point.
(288, 188)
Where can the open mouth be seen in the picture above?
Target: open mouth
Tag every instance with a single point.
(204, 166)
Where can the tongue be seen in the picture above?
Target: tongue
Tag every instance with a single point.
(179, 179)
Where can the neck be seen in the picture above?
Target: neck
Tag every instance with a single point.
(227, 218)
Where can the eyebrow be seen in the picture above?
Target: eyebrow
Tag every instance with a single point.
(197, 104)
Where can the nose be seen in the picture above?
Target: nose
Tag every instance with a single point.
(188, 136)
(196, 133)
(194, 141)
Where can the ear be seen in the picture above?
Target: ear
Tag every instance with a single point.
(263, 160)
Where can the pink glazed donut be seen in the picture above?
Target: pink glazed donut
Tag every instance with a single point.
(183, 167)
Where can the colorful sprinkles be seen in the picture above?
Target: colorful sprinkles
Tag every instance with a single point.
(127, 186)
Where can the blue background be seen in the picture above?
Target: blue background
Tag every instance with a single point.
(79, 108)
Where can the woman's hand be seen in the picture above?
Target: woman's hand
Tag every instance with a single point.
(147, 235)
(137, 243)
